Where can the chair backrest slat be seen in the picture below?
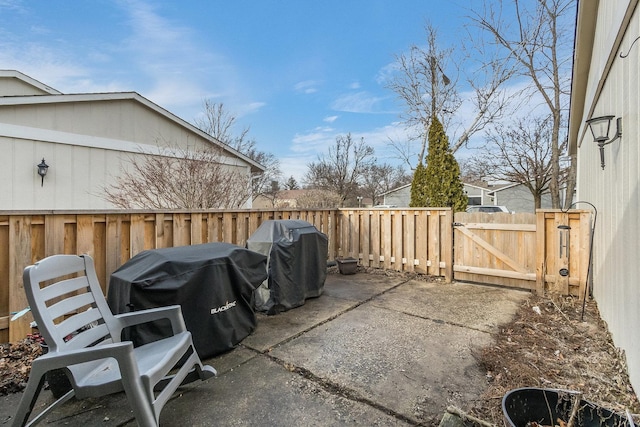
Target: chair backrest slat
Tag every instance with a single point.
(71, 305)
(88, 337)
(63, 287)
(76, 322)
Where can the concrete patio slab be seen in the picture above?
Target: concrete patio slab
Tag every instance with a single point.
(264, 393)
(412, 366)
(372, 350)
(359, 287)
(277, 328)
(472, 306)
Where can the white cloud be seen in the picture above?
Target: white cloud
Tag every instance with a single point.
(296, 166)
(359, 102)
(181, 71)
(330, 119)
(306, 87)
(12, 5)
(317, 141)
(354, 85)
(385, 74)
(250, 108)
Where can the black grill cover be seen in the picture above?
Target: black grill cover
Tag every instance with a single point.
(213, 283)
(297, 263)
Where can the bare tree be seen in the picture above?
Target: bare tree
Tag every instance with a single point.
(522, 154)
(179, 178)
(341, 171)
(221, 124)
(536, 38)
(272, 193)
(474, 172)
(379, 179)
(421, 84)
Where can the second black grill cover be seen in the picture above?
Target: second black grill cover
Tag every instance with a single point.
(297, 263)
(213, 283)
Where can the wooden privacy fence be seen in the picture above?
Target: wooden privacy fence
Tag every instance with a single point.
(545, 251)
(489, 249)
(413, 240)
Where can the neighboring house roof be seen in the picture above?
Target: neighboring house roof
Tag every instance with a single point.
(402, 187)
(291, 194)
(57, 98)
(502, 187)
(479, 187)
(29, 80)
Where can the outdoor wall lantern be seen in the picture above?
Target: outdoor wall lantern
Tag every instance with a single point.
(42, 170)
(600, 129)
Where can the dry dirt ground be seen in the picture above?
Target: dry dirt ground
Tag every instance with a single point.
(549, 344)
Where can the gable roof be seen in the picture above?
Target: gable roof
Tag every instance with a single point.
(57, 97)
(402, 187)
(8, 74)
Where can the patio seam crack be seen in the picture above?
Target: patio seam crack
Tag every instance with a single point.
(340, 390)
(325, 384)
(329, 319)
(440, 321)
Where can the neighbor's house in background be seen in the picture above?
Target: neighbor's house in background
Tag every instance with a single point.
(515, 197)
(606, 76)
(85, 139)
(401, 196)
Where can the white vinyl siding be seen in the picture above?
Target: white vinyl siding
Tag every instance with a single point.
(615, 191)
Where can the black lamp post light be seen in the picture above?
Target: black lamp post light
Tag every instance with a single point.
(600, 130)
(42, 170)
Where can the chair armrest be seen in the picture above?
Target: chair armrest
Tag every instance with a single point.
(56, 360)
(173, 313)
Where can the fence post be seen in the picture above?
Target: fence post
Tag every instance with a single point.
(541, 267)
(20, 257)
(447, 245)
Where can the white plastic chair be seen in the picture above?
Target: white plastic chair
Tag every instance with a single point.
(87, 343)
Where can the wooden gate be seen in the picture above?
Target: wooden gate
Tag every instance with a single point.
(545, 251)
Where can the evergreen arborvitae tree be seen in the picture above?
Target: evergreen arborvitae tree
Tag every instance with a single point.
(442, 184)
(418, 187)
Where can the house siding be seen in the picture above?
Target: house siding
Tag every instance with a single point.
(87, 140)
(76, 177)
(518, 198)
(401, 196)
(13, 87)
(124, 119)
(615, 190)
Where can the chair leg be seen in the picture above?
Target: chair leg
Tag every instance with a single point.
(68, 395)
(29, 398)
(141, 404)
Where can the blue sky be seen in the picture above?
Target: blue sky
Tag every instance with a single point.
(298, 72)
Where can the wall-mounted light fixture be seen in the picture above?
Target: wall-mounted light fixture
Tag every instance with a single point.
(600, 129)
(42, 170)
